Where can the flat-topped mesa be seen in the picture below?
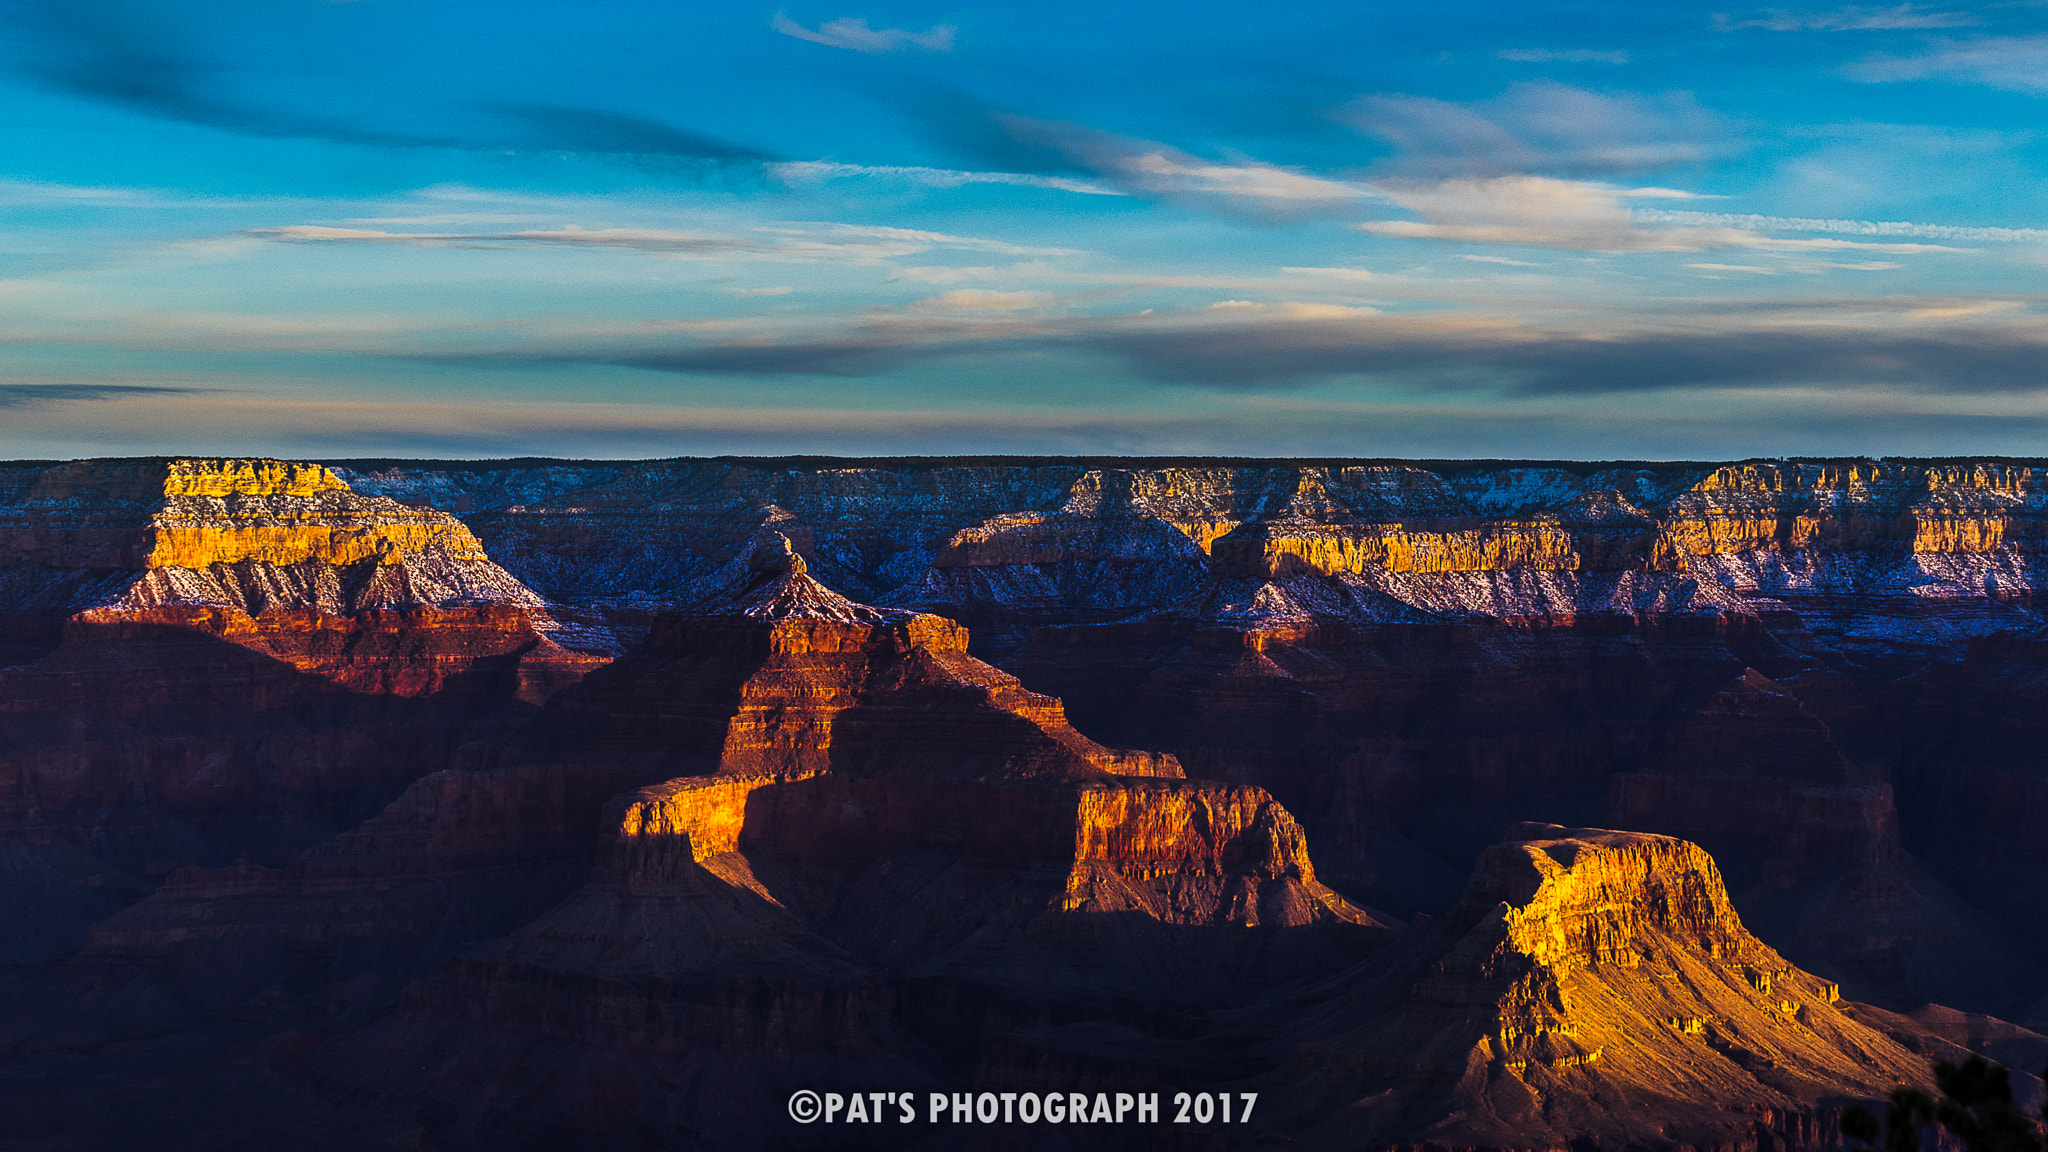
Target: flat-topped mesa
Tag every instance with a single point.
(190, 513)
(1270, 550)
(1870, 505)
(252, 536)
(1592, 986)
(1571, 898)
(253, 513)
(272, 555)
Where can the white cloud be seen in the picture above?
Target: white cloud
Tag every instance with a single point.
(1966, 308)
(782, 290)
(810, 171)
(1166, 171)
(927, 240)
(27, 193)
(1152, 169)
(1333, 273)
(1562, 56)
(1536, 211)
(938, 274)
(1540, 126)
(1501, 260)
(799, 242)
(1540, 212)
(1851, 19)
(985, 300)
(1846, 227)
(1736, 268)
(2014, 63)
(853, 33)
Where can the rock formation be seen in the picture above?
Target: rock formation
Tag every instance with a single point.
(226, 658)
(1590, 986)
(621, 789)
(886, 846)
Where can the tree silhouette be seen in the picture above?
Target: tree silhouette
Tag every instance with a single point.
(1975, 1106)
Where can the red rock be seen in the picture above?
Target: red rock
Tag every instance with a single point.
(1593, 986)
(924, 870)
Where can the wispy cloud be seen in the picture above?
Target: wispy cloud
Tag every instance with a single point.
(1738, 423)
(599, 132)
(1896, 344)
(998, 139)
(799, 242)
(1332, 273)
(26, 395)
(1851, 19)
(1843, 227)
(1540, 127)
(2014, 63)
(1540, 212)
(1151, 169)
(1563, 55)
(24, 193)
(810, 171)
(1937, 345)
(985, 300)
(853, 33)
(145, 60)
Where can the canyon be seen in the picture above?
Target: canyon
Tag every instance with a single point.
(1432, 804)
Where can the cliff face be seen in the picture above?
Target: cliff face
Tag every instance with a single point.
(634, 789)
(1038, 540)
(1410, 656)
(279, 558)
(778, 678)
(742, 935)
(220, 658)
(890, 850)
(1593, 986)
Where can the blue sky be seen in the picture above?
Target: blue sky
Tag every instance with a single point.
(1552, 230)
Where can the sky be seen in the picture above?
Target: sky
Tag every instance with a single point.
(1529, 229)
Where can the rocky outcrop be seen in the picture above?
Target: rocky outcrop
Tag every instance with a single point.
(893, 851)
(227, 658)
(1590, 986)
(776, 677)
(743, 935)
(871, 721)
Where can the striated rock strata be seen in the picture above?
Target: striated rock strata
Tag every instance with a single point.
(937, 861)
(1591, 988)
(226, 658)
(891, 852)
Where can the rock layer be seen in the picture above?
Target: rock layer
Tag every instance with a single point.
(859, 800)
(1590, 986)
(228, 658)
